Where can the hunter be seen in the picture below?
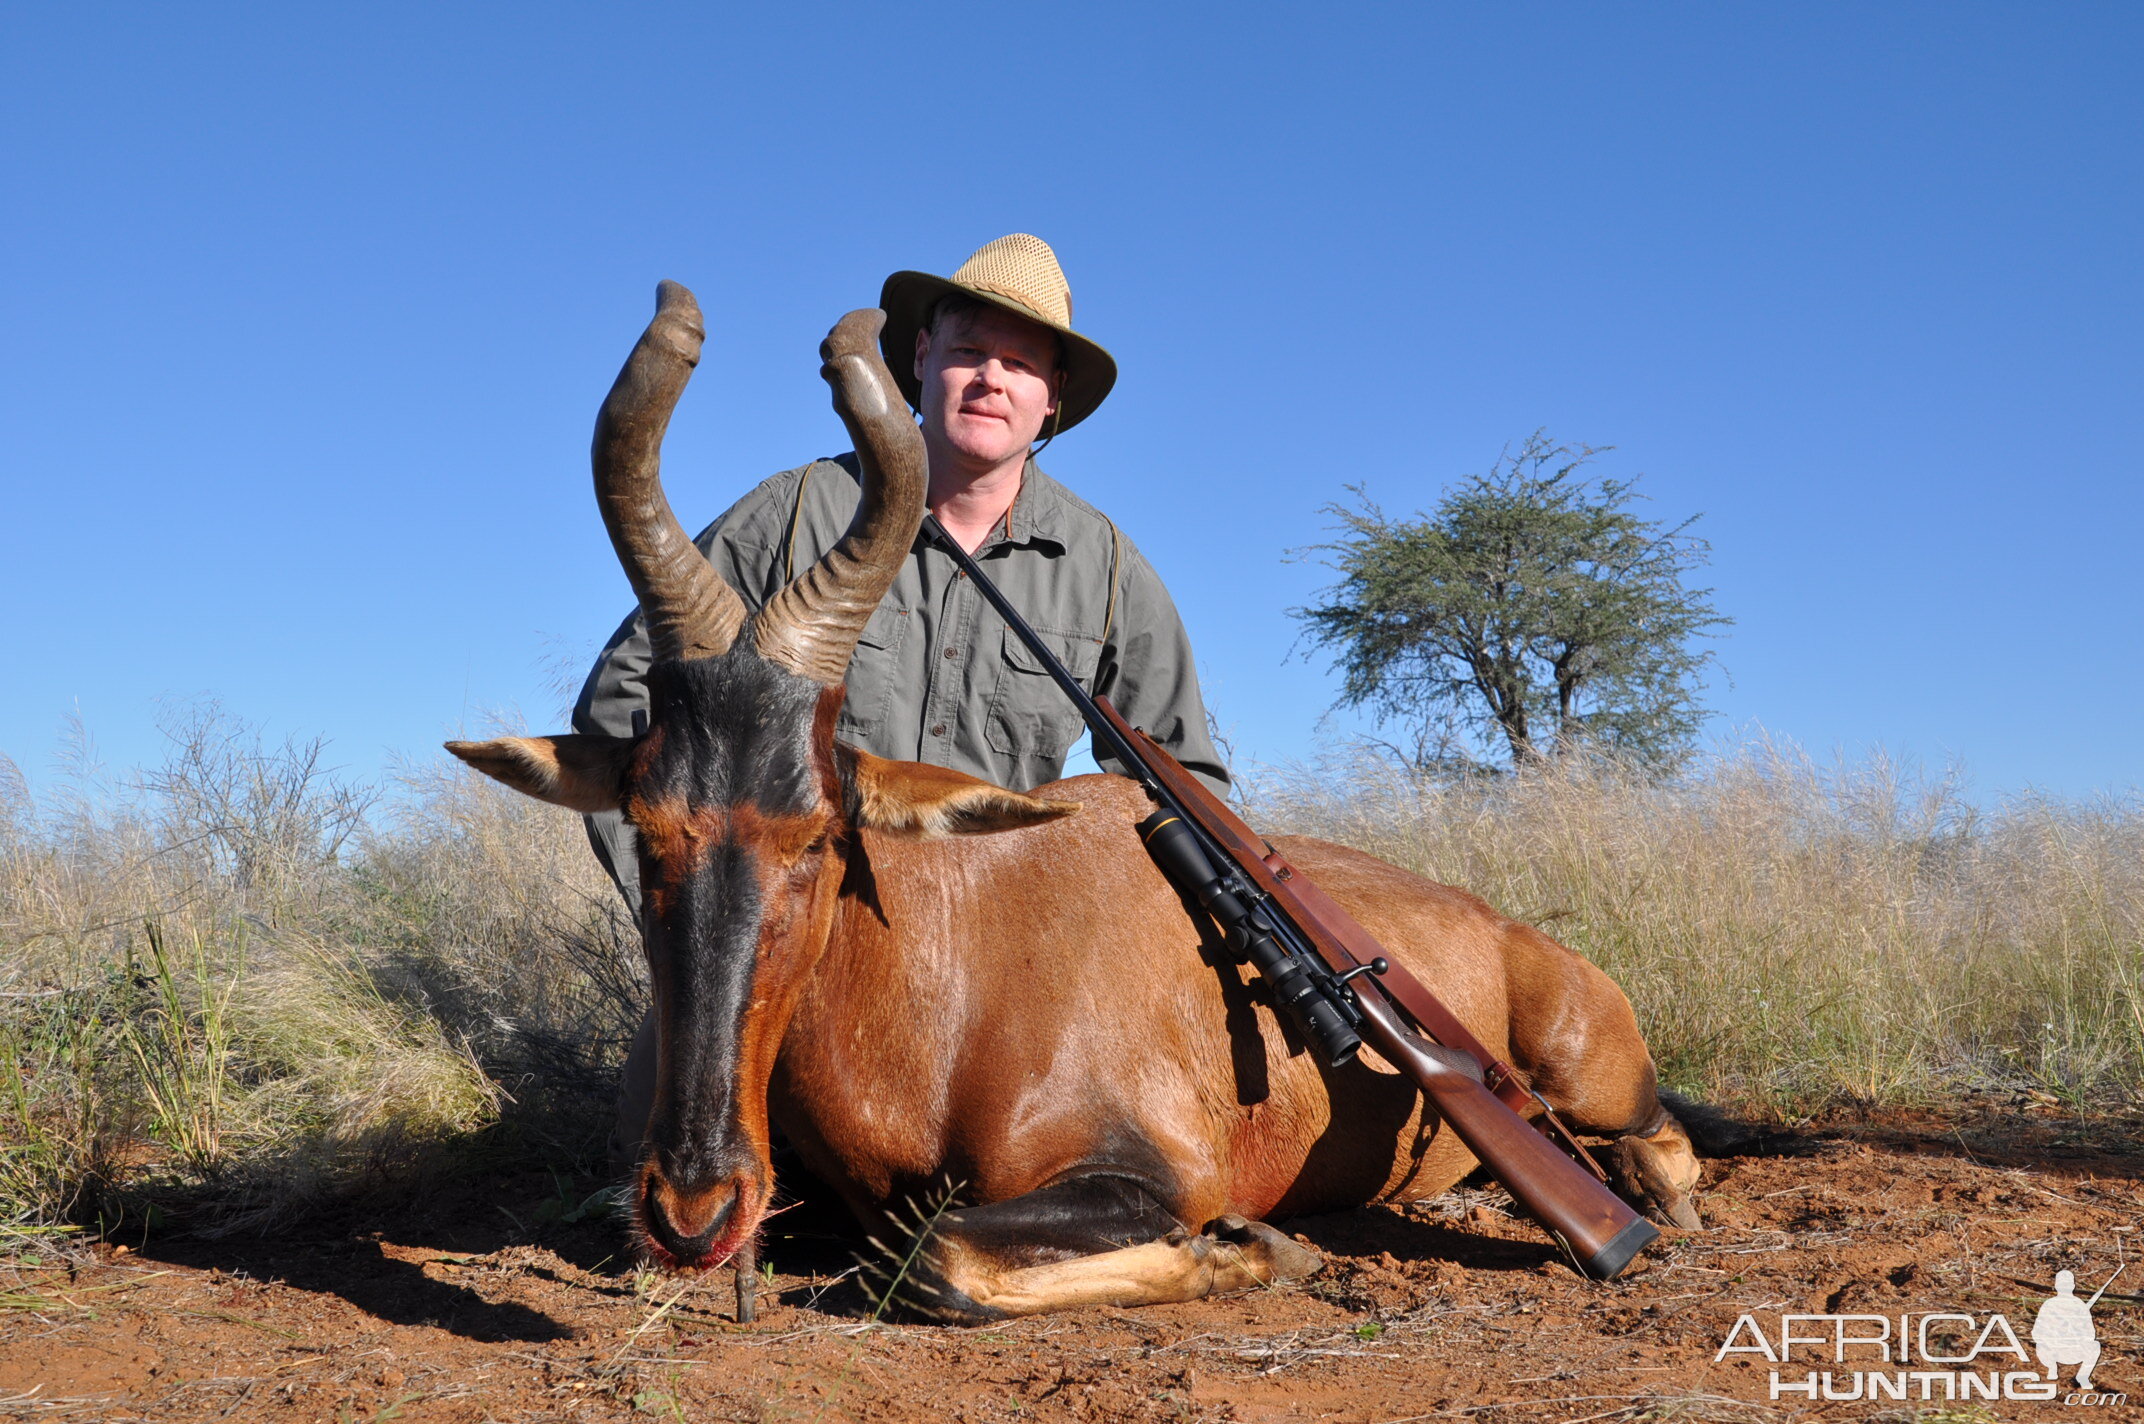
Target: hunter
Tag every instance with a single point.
(990, 361)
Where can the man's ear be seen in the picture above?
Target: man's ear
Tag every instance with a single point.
(908, 798)
(923, 349)
(581, 773)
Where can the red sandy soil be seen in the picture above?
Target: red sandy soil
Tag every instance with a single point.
(455, 1310)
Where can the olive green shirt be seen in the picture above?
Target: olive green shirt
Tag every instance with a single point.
(937, 676)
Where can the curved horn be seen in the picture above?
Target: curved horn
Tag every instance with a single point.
(811, 626)
(690, 611)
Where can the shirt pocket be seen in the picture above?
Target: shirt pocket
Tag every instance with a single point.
(1030, 716)
(874, 673)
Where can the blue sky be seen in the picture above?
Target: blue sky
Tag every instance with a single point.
(307, 312)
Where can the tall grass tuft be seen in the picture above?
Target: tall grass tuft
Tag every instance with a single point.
(237, 985)
(1795, 935)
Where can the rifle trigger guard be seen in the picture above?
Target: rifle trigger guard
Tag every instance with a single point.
(1376, 966)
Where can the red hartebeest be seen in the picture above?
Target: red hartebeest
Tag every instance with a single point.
(925, 979)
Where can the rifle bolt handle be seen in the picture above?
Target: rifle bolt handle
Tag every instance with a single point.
(1377, 966)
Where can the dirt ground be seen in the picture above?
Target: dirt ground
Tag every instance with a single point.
(467, 1307)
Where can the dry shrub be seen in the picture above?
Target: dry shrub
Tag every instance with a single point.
(495, 904)
(1795, 935)
(238, 985)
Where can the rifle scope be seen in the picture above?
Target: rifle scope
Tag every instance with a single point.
(1177, 851)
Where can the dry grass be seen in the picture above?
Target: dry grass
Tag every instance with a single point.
(236, 986)
(1794, 935)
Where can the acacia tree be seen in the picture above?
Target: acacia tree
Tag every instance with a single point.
(1530, 613)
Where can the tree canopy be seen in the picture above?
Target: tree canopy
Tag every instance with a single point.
(1532, 612)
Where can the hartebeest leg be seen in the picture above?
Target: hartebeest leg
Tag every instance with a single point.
(1652, 1161)
(1068, 1246)
(1575, 1034)
(636, 1101)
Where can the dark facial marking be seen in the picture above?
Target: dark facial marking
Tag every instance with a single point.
(729, 796)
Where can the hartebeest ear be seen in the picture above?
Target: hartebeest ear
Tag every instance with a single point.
(908, 798)
(578, 772)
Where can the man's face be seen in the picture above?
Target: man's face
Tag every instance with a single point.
(989, 383)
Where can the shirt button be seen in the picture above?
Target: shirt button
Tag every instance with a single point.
(939, 730)
(952, 653)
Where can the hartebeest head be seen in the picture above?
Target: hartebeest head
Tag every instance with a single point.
(746, 807)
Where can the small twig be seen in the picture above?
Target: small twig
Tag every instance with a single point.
(236, 1319)
(244, 1395)
(657, 1314)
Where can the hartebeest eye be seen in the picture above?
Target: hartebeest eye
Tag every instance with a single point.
(792, 842)
(822, 836)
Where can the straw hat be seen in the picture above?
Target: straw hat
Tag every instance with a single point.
(1019, 274)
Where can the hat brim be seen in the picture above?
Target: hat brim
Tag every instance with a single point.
(908, 298)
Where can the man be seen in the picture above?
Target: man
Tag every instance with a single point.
(990, 361)
(2063, 1334)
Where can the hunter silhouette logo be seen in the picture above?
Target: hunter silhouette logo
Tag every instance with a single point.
(2062, 1332)
(1931, 1355)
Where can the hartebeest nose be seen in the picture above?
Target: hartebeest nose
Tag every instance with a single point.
(693, 1228)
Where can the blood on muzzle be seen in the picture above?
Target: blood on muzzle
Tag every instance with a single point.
(695, 1229)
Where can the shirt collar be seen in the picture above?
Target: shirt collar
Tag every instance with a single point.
(1038, 511)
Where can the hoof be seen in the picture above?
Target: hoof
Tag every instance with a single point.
(1276, 1259)
(1643, 1175)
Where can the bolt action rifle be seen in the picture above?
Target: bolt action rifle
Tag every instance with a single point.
(1315, 960)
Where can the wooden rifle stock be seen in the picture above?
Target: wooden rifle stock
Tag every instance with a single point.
(1472, 1090)
(1598, 1228)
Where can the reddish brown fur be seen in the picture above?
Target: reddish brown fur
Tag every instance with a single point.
(999, 1007)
